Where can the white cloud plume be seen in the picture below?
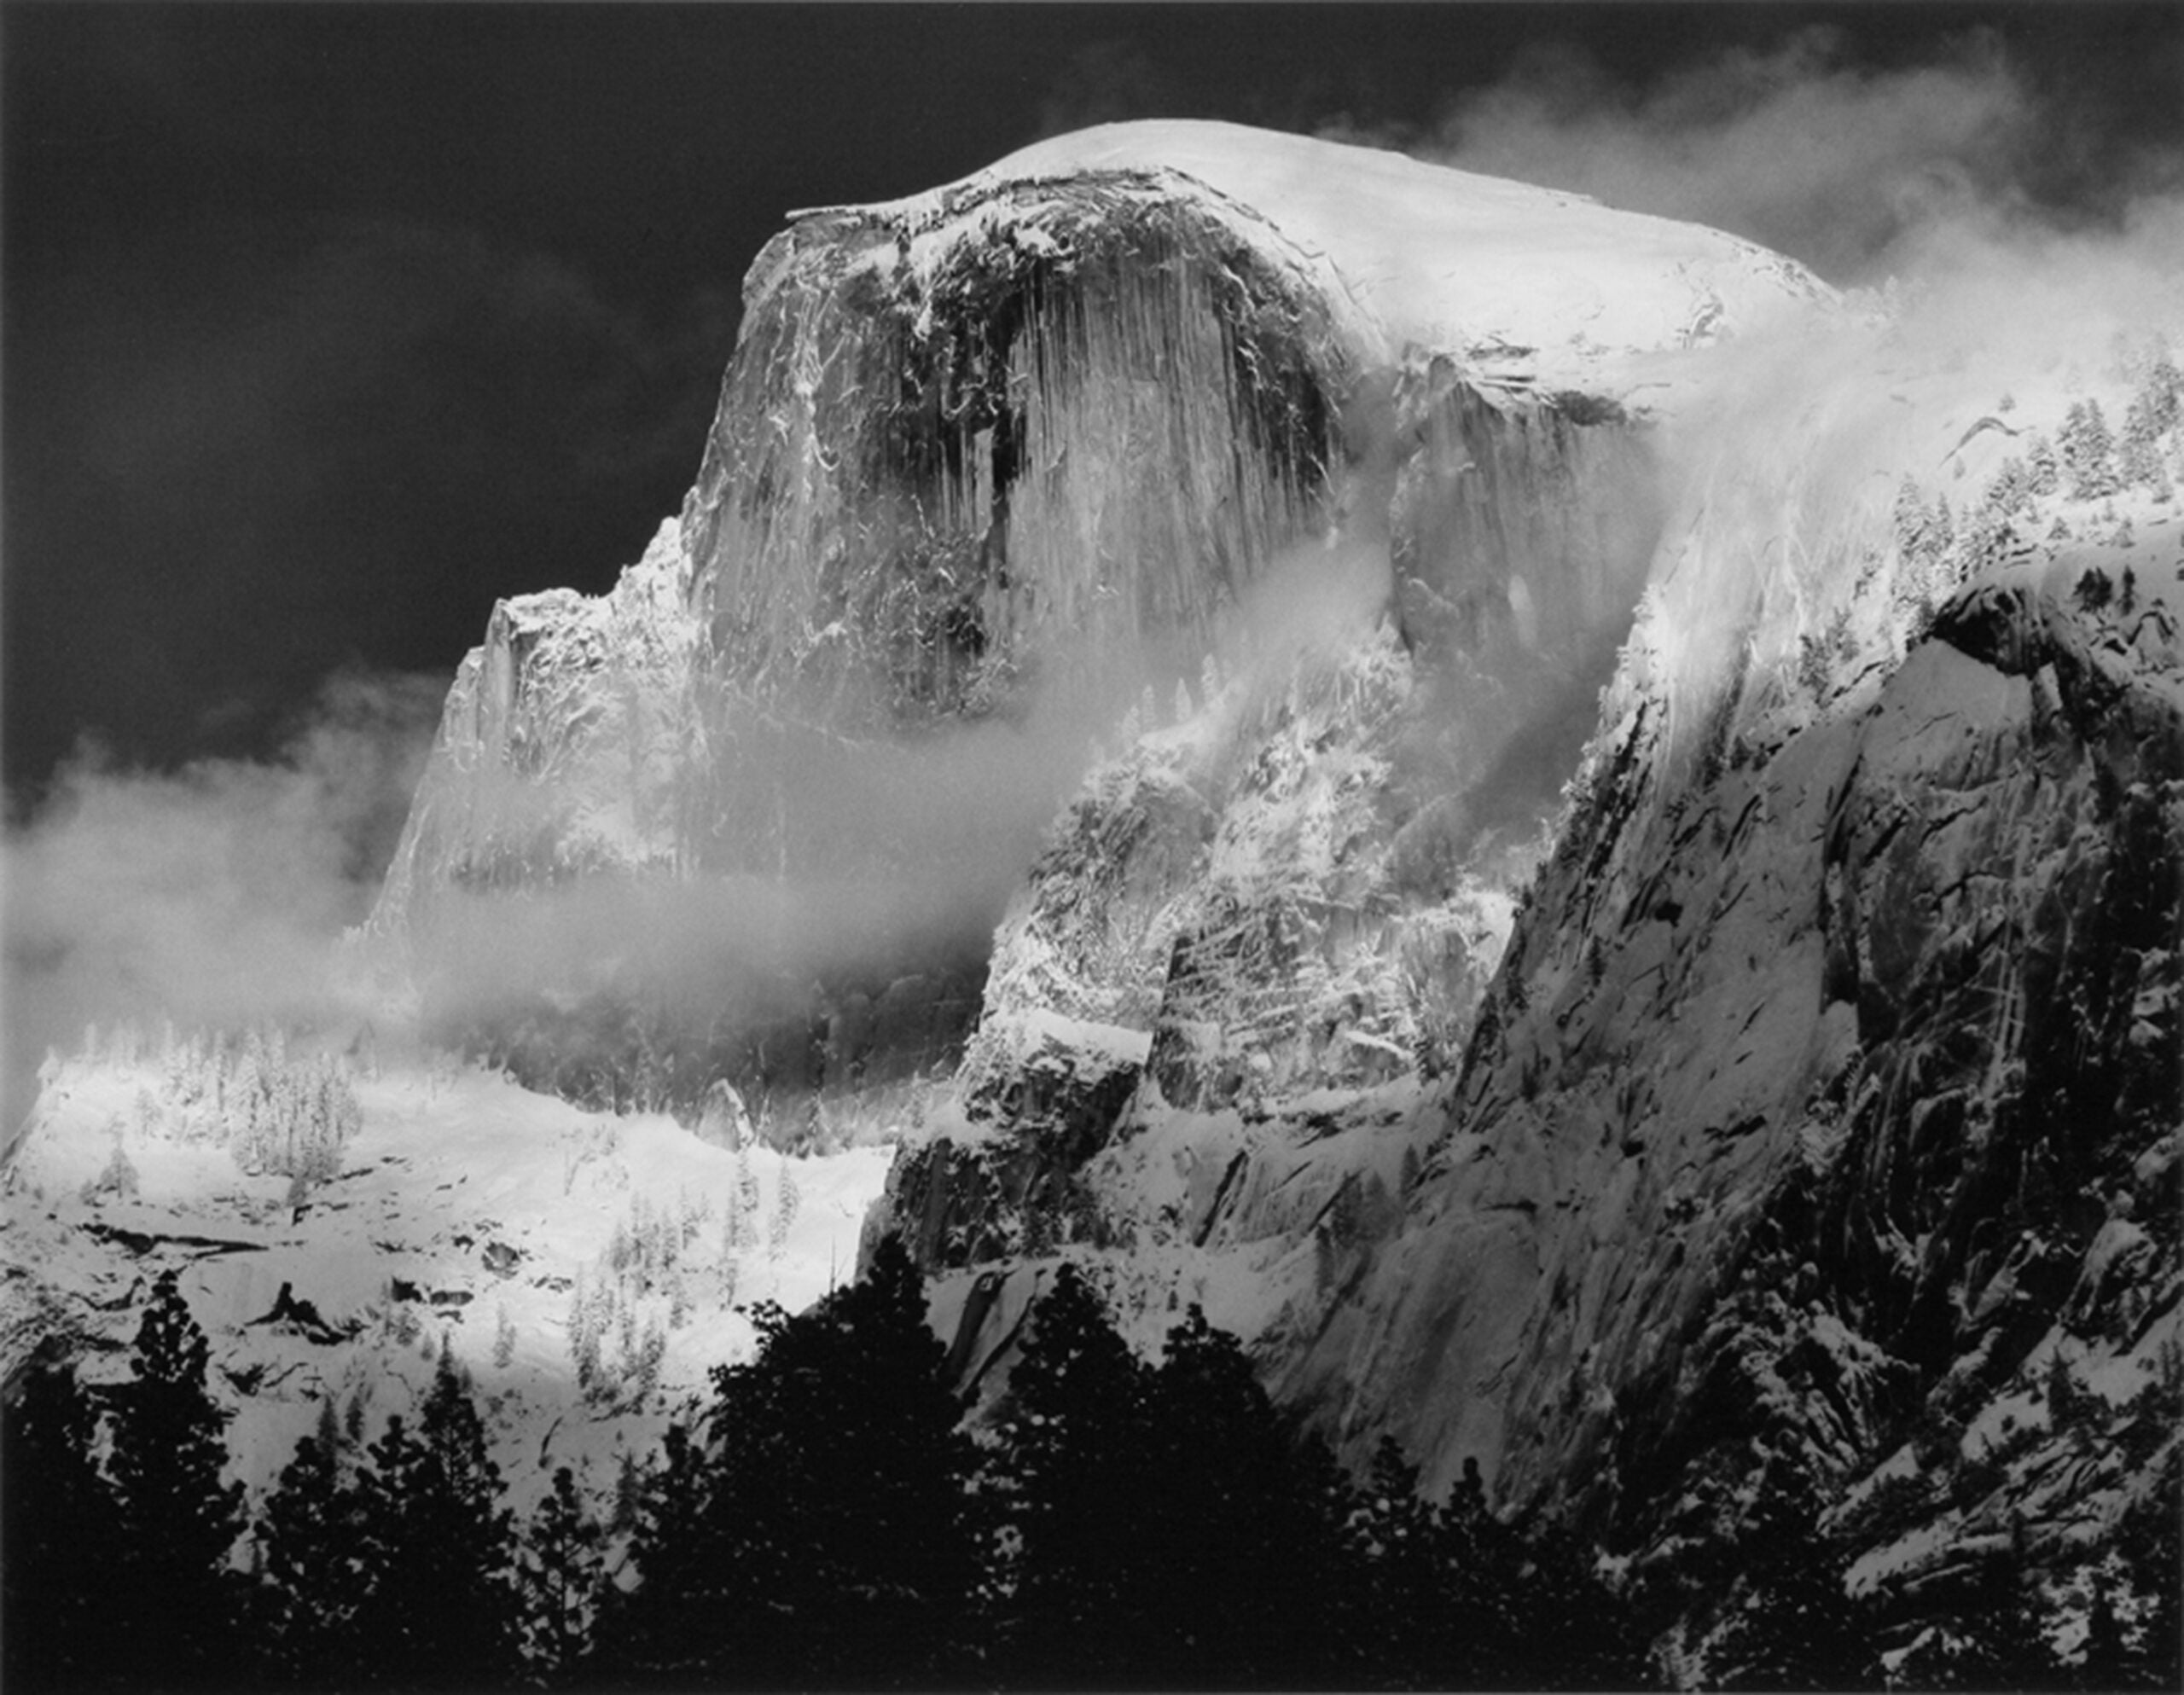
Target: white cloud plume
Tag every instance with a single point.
(1797, 147)
(212, 895)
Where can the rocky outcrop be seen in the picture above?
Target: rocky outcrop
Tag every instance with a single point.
(989, 462)
(1607, 948)
(563, 748)
(1815, 1137)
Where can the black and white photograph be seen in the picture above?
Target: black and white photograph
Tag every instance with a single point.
(1091, 847)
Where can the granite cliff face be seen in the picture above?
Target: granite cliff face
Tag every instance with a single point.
(1818, 1099)
(1123, 413)
(1426, 765)
(563, 746)
(1814, 1138)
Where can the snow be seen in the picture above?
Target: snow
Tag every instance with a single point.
(489, 1200)
(563, 735)
(1529, 285)
(1250, 899)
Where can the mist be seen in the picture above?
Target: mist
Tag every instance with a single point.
(1998, 230)
(1801, 146)
(1781, 470)
(832, 858)
(212, 895)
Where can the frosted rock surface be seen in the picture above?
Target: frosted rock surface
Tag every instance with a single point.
(1002, 456)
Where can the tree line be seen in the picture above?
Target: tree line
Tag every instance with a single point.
(831, 1519)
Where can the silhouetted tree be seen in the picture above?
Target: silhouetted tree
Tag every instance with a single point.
(177, 1600)
(439, 1611)
(59, 1529)
(2148, 1540)
(563, 1572)
(834, 1542)
(1240, 1551)
(1404, 1624)
(1566, 1630)
(1072, 1481)
(314, 1566)
(1800, 1627)
(663, 1628)
(1988, 1634)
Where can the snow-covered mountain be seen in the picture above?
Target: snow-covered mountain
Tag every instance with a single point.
(1576, 836)
(1001, 456)
(587, 1270)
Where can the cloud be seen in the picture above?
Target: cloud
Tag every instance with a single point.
(1797, 146)
(819, 858)
(1782, 468)
(212, 895)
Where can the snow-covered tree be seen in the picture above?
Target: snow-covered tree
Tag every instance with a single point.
(2088, 452)
(786, 1198)
(2043, 469)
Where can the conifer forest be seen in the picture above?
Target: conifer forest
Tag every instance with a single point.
(828, 1521)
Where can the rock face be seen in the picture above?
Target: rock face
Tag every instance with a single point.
(562, 748)
(1816, 1134)
(1600, 944)
(988, 463)
(1810, 1098)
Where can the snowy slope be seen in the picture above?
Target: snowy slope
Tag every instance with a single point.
(1823, 1115)
(467, 1212)
(1620, 921)
(1522, 284)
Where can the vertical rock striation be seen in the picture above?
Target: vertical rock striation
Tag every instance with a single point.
(989, 462)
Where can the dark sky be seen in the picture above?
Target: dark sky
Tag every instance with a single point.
(325, 326)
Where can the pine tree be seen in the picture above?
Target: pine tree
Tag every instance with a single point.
(1408, 1621)
(786, 1199)
(2010, 492)
(1910, 522)
(316, 1567)
(2105, 1661)
(178, 1599)
(1567, 1630)
(562, 1575)
(743, 1205)
(1073, 1434)
(837, 1544)
(1241, 1551)
(1799, 1627)
(440, 1611)
(2138, 458)
(2162, 392)
(60, 1528)
(1991, 1626)
(2043, 471)
(583, 1333)
(666, 1629)
(2088, 452)
(2149, 1544)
